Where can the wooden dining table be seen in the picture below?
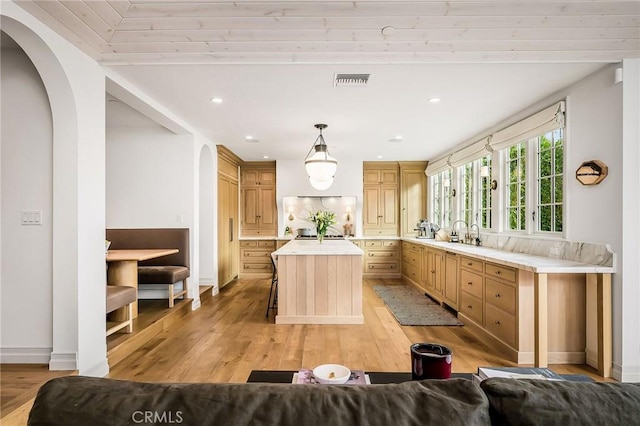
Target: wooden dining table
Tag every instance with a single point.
(123, 270)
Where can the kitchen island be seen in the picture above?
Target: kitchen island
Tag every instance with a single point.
(319, 283)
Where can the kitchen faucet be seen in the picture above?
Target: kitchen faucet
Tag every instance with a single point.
(454, 236)
(477, 240)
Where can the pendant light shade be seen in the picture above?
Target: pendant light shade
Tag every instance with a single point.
(320, 165)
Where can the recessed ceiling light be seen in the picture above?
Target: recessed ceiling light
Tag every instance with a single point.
(379, 156)
(434, 100)
(216, 100)
(396, 139)
(251, 139)
(265, 156)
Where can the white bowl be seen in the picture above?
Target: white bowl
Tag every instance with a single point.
(331, 374)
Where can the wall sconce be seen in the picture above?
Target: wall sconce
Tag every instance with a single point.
(290, 212)
(348, 209)
(484, 171)
(592, 172)
(446, 182)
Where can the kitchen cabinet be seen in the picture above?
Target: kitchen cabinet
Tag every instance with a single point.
(258, 199)
(413, 196)
(433, 273)
(255, 258)
(380, 199)
(228, 224)
(451, 280)
(412, 263)
(382, 258)
(472, 289)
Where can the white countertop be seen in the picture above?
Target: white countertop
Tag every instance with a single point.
(313, 247)
(527, 262)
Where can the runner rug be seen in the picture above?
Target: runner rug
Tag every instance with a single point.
(410, 307)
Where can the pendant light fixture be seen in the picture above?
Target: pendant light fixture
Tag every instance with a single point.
(320, 165)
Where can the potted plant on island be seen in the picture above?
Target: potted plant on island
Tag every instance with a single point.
(323, 220)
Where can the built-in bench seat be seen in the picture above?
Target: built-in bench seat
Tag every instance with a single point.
(120, 296)
(166, 270)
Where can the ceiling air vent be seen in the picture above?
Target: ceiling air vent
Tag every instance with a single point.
(350, 80)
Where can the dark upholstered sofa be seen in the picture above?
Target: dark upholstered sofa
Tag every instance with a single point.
(167, 270)
(80, 400)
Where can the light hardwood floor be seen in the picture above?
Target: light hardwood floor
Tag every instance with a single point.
(229, 336)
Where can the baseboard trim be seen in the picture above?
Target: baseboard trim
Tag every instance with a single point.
(25, 355)
(101, 369)
(626, 374)
(63, 361)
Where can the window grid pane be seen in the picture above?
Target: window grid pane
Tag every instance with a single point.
(550, 149)
(466, 193)
(516, 187)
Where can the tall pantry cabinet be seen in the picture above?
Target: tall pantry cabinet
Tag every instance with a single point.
(228, 216)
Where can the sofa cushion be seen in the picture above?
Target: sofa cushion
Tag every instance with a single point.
(92, 401)
(162, 274)
(119, 296)
(542, 402)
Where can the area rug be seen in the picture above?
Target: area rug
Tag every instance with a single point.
(410, 307)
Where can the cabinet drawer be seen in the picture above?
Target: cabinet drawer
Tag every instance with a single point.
(381, 266)
(372, 243)
(411, 258)
(500, 295)
(248, 243)
(471, 306)
(256, 256)
(390, 243)
(471, 283)
(256, 267)
(412, 272)
(501, 324)
(470, 263)
(266, 244)
(385, 254)
(502, 272)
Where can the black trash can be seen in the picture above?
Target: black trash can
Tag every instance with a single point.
(430, 361)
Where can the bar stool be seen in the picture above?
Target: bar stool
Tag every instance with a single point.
(272, 303)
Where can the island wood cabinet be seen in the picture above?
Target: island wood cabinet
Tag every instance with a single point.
(380, 199)
(258, 199)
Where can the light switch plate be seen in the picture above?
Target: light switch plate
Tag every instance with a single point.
(31, 217)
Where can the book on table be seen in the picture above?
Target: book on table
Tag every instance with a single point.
(305, 376)
(518, 373)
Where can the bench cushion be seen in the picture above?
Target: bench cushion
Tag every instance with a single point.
(119, 296)
(162, 274)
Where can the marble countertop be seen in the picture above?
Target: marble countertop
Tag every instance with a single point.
(528, 262)
(313, 247)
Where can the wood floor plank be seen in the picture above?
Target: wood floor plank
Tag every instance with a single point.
(229, 336)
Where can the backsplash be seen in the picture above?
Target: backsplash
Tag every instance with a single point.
(591, 253)
(297, 210)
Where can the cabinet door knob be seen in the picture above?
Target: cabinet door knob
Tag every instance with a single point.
(469, 264)
(498, 322)
(497, 272)
(497, 294)
(470, 283)
(469, 306)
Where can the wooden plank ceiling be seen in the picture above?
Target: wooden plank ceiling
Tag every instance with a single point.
(159, 31)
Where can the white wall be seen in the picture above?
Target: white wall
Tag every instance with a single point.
(75, 87)
(292, 181)
(150, 184)
(27, 160)
(206, 206)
